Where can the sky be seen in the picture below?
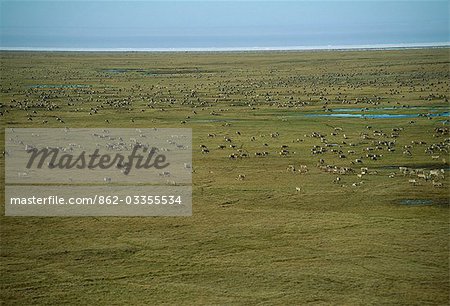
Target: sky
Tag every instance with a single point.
(209, 24)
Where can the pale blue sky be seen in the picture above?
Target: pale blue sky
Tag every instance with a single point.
(169, 24)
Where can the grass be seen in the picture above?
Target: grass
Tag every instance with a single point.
(251, 241)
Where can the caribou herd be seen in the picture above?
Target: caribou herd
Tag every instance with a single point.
(364, 148)
(337, 153)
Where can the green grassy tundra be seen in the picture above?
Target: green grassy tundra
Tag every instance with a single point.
(268, 226)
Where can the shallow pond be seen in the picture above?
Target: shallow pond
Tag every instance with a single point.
(61, 86)
(366, 109)
(416, 202)
(157, 71)
(122, 70)
(379, 116)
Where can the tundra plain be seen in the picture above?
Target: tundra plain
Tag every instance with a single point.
(319, 178)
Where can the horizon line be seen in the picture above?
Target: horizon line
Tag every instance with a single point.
(235, 49)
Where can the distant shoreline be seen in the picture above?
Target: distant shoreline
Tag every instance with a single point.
(398, 46)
